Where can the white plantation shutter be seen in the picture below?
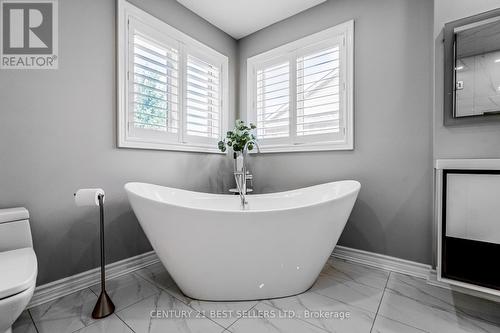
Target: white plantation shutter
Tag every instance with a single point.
(300, 94)
(318, 94)
(203, 99)
(273, 101)
(154, 81)
(172, 89)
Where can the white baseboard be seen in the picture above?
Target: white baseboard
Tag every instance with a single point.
(407, 267)
(53, 290)
(382, 261)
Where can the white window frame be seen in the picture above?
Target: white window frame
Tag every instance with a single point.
(343, 33)
(144, 139)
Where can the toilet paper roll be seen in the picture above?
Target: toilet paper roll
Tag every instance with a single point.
(88, 196)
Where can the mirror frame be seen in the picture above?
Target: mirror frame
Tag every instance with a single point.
(449, 71)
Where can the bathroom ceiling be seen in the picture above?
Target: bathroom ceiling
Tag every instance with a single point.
(240, 18)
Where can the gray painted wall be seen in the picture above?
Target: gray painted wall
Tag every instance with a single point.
(57, 134)
(393, 123)
(465, 141)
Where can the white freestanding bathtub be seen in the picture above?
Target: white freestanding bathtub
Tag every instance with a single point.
(214, 250)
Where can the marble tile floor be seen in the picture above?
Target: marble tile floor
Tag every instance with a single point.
(346, 298)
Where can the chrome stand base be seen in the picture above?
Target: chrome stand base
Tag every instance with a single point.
(104, 306)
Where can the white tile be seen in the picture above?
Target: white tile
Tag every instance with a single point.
(24, 324)
(126, 290)
(326, 313)
(264, 318)
(434, 296)
(156, 274)
(223, 313)
(348, 291)
(342, 270)
(111, 324)
(386, 325)
(66, 314)
(175, 291)
(413, 312)
(164, 313)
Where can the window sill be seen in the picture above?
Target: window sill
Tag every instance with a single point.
(305, 147)
(170, 147)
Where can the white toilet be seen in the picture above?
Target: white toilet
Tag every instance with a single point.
(18, 265)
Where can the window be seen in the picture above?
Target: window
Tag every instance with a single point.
(172, 88)
(300, 94)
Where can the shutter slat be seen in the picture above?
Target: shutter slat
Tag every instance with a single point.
(171, 111)
(333, 85)
(273, 115)
(165, 65)
(150, 115)
(316, 106)
(145, 77)
(265, 106)
(156, 54)
(212, 98)
(149, 124)
(270, 84)
(200, 103)
(283, 124)
(277, 120)
(264, 77)
(194, 108)
(135, 93)
(201, 73)
(149, 69)
(272, 69)
(271, 98)
(313, 98)
(329, 71)
(153, 88)
(325, 130)
(320, 122)
(318, 114)
(275, 90)
(193, 115)
(192, 77)
(200, 87)
(202, 123)
(333, 51)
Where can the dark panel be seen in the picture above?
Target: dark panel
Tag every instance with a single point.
(467, 260)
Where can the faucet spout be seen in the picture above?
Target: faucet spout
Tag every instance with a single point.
(245, 147)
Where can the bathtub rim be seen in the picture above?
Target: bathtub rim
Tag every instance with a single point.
(356, 188)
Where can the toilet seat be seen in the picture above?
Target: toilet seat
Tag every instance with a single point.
(19, 270)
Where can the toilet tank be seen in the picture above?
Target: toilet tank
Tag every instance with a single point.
(15, 232)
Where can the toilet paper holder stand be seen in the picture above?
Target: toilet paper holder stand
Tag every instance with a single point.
(104, 306)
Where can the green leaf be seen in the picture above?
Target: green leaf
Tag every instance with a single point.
(240, 136)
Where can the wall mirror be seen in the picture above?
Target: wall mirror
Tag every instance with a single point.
(472, 69)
